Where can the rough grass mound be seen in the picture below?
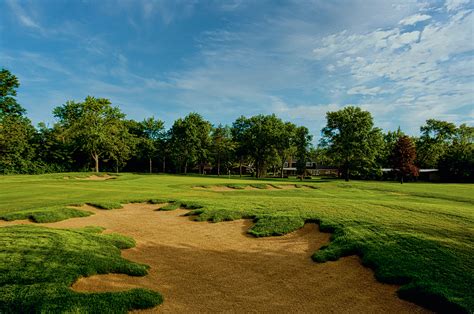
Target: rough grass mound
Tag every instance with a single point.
(44, 215)
(38, 265)
(106, 205)
(184, 205)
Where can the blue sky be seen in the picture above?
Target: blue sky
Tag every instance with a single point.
(405, 61)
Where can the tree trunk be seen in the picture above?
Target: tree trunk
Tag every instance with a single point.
(282, 166)
(164, 164)
(186, 167)
(346, 174)
(401, 179)
(151, 165)
(96, 160)
(218, 166)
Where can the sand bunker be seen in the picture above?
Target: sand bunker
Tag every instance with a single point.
(205, 267)
(98, 178)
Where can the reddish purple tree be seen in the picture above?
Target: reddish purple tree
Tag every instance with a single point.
(403, 158)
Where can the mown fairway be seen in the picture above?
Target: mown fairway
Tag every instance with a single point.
(420, 235)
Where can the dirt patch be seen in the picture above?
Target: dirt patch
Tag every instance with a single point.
(4, 223)
(205, 267)
(97, 178)
(287, 186)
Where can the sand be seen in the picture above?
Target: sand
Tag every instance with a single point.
(97, 178)
(206, 267)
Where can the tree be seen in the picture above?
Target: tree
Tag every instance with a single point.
(241, 137)
(16, 151)
(457, 164)
(389, 140)
(16, 131)
(403, 158)
(351, 140)
(285, 144)
(8, 85)
(152, 135)
(258, 137)
(436, 136)
(222, 145)
(52, 148)
(190, 141)
(120, 146)
(302, 142)
(95, 127)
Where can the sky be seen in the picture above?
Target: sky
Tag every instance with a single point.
(404, 61)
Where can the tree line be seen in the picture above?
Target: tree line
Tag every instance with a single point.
(94, 134)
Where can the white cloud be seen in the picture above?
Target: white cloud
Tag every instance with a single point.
(453, 5)
(411, 20)
(428, 71)
(363, 90)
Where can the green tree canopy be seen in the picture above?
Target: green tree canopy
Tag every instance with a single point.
(457, 164)
(351, 140)
(258, 137)
(8, 85)
(153, 133)
(222, 146)
(302, 142)
(436, 136)
(95, 127)
(190, 141)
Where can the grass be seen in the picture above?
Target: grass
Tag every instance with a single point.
(38, 265)
(237, 186)
(44, 215)
(419, 235)
(172, 205)
(106, 205)
(261, 186)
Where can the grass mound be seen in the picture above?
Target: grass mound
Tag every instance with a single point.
(106, 205)
(170, 206)
(275, 225)
(184, 205)
(237, 186)
(260, 186)
(44, 215)
(38, 265)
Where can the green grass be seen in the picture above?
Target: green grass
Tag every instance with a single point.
(184, 205)
(237, 186)
(106, 205)
(38, 265)
(260, 186)
(419, 235)
(170, 206)
(44, 215)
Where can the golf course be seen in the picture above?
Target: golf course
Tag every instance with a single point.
(79, 242)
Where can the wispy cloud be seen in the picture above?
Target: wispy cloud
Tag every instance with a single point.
(411, 20)
(23, 17)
